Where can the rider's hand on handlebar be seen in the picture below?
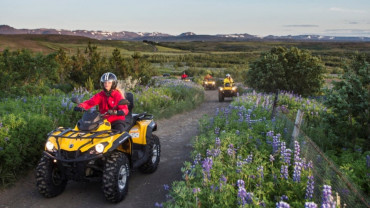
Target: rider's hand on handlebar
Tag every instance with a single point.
(78, 109)
(112, 112)
(116, 112)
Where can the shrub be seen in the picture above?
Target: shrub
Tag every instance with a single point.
(286, 69)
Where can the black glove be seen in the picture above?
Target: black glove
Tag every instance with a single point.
(78, 109)
(116, 112)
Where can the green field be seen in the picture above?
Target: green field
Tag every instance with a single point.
(180, 55)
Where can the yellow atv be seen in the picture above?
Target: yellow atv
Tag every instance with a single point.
(92, 151)
(228, 90)
(209, 84)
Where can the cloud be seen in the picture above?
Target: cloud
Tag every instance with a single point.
(352, 32)
(301, 26)
(353, 23)
(337, 9)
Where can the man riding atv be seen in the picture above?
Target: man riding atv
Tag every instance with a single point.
(107, 99)
(228, 89)
(184, 76)
(103, 146)
(209, 82)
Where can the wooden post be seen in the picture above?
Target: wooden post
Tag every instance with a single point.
(275, 104)
(297, 124)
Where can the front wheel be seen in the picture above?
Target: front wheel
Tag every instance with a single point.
(220, 97)
(50, 180)
(116, 176)
(154, 156)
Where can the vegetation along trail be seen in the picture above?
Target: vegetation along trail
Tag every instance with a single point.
(175, 135)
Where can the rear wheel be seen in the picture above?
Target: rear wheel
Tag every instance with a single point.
(50, 180)
(154, 156)
(116, 176)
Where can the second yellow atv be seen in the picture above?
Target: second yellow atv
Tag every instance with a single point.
(228, 90)
(93, 151)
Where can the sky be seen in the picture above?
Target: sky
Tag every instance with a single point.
(255, 17)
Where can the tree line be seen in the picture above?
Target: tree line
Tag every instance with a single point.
(25, 73)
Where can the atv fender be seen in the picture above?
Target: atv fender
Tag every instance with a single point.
(121, 140)
(151, 127)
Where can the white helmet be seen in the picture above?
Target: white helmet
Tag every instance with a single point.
(227, 75)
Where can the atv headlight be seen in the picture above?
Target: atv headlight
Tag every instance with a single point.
(206, 82)
(234, 88)
(221, 88)
(49, 146)
(99, 148)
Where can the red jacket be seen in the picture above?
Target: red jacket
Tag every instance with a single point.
(106, 104)
(184, 76)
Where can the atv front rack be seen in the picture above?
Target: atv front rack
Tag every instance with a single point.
(81, 134)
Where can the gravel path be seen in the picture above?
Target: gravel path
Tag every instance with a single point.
(145, 190)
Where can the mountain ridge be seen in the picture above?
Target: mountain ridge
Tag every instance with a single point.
(186, 36)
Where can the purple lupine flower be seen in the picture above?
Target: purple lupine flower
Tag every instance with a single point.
(158, 204)
(297, 171)
(240, 114)
(282, 204)
(231, 150)
(282, 150)
(270, 134)
(327, 198)
(166, 187)
(223, 179)
(310, 205)
(275, 144)
(196, 190)
(310, 187)
(297, 150)
(237, 132)
(215, 152)
(309, 164)
(272, 158)
(197, 158)
(242, 193)
(260, 170)
(217, 130)
(218, 142)
(368, 161)
(284, 172)
(240, 183)
(248, 198)
(239, 165)
(248, 118)
(207, 165)
(284, 198)
(249, 158)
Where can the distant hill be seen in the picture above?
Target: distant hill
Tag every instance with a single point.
(187, 36)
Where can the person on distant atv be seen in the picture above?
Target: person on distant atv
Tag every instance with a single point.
(107, 99)
(228, 79)
(207, 77)
(184, 76)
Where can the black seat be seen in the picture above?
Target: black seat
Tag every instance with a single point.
(130, 98)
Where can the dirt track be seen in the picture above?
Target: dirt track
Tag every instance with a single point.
(144, 190)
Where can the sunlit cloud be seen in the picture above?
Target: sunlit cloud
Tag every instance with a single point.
(337, 9)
